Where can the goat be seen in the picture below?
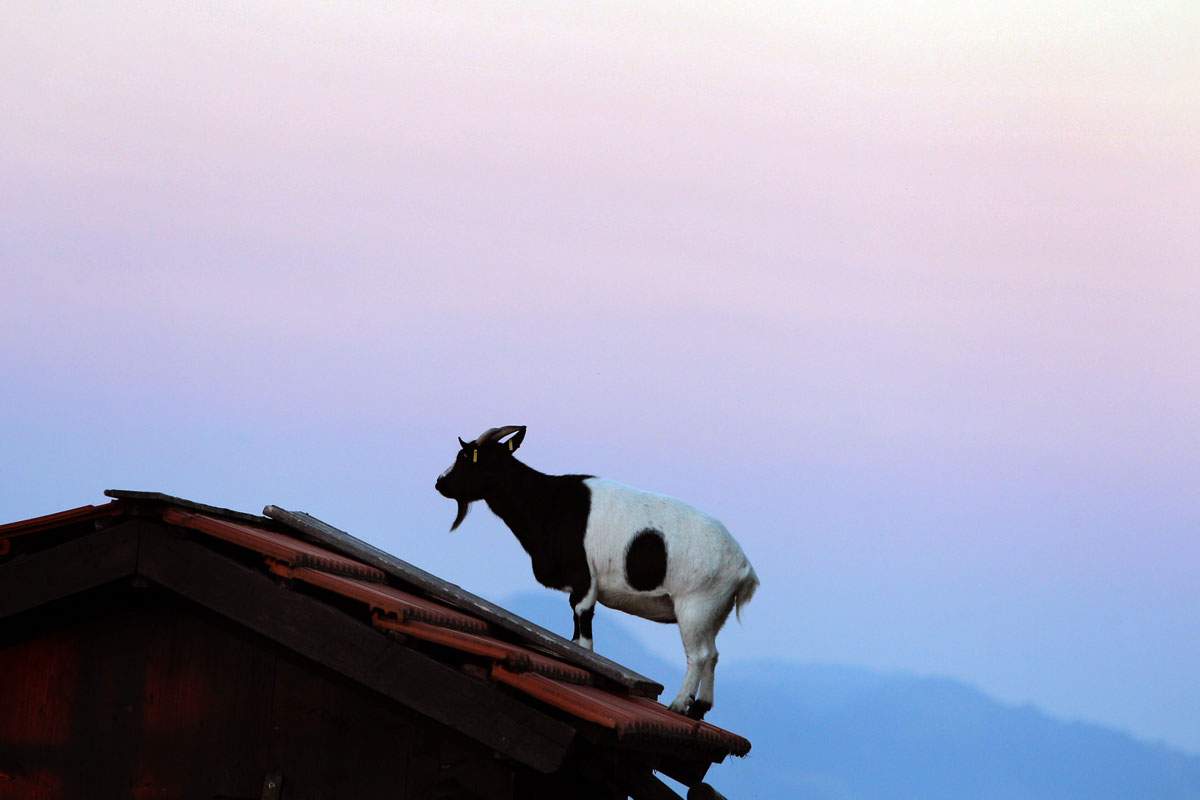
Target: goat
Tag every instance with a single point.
(598, 540)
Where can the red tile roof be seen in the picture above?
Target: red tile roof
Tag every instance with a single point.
(570, 688)
(513, 657)
(278, 546)
(53, 521)
(630, 717)
(391, 601)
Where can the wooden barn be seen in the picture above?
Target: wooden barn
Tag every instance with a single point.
(152, 647)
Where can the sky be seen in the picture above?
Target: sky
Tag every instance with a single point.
(906, 294)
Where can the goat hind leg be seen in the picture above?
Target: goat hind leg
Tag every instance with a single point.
(698, 630)
(708, 672)
(708, 669)
(699, 623)
(687, 692)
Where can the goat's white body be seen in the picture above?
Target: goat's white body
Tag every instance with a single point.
(707, 572)
(701, 555)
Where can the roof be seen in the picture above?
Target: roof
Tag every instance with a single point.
(182, 545)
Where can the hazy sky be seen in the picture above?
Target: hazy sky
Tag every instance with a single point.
(906, 294)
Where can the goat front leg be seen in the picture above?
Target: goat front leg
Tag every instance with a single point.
(583, 605)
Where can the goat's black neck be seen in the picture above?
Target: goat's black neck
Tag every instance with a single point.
(548, 514)
(521, 496)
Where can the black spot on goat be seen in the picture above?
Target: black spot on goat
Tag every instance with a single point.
(646, 560)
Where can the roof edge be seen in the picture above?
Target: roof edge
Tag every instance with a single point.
(440, 589)
(166, 499)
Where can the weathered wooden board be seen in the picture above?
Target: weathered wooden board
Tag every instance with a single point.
(166, 499)
(323, 533)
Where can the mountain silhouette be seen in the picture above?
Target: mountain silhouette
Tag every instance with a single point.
(829, 732)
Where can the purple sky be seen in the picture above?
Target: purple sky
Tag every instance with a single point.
(908, 299)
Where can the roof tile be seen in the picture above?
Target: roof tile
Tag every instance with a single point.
(625, 714)
(278, 546)
(391, 601)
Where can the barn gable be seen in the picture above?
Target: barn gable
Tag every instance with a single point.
(162, 647)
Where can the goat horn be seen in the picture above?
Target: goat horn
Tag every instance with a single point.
(486, 436)
(493, 434)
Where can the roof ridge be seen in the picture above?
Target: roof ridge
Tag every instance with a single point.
(166, 499)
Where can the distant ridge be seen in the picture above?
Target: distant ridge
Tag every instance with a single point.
(824, 732)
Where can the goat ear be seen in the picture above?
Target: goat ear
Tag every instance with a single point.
(516, 439)
(465, 445)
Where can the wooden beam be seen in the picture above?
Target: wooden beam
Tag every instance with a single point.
(157, 498)
(689, 772)
(643, 785)
(323, 533)
(69, 568)
(354, 649)
(702, 791)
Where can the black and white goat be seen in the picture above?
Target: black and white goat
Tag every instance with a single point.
(645, 554)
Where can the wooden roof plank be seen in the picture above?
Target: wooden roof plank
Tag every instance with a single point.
(166, 499)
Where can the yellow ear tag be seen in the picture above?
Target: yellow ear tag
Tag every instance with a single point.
(510, 445)
(475, 456)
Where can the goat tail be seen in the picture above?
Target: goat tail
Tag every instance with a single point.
(745, 590)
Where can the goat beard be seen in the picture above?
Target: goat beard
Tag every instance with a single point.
(463, 507)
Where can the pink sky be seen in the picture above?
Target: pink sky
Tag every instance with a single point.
(908, 298)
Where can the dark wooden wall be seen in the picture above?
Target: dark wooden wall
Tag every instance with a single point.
(132, 692)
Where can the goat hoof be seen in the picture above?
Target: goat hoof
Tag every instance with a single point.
(680, 706)
(698, 708)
